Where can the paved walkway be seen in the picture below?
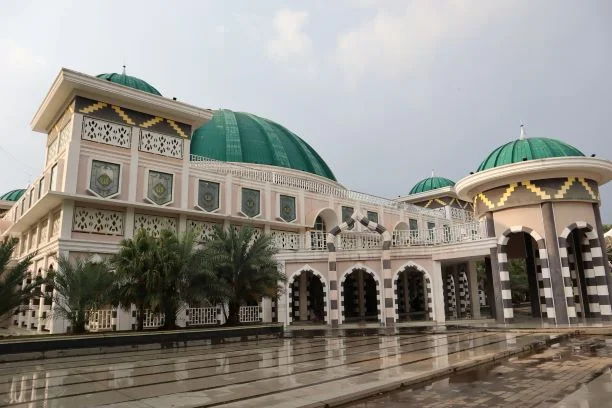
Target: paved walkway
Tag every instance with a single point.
(541, 380)
(271, 373)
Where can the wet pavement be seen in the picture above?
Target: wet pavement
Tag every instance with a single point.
(542, 379)
(273, 372)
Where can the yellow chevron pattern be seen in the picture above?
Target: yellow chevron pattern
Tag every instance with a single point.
(535, 189)
(588, 188)
(565, 187)
(507, 193)
(177, 128)
(440, 202)
(485, 200)
(94, 107)
(428, 203)
(151, 122)
(123, 115)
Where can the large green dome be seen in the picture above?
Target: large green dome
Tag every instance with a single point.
(129, 81)
(246, 138)
(12, 195)
(531, 148)
(431, 183)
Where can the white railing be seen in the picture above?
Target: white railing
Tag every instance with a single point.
(153, 320)
(249, 314)
(312, 185)
(446, 234)
(318, 240)
(359, 240)
(203, 316)
(100, 320)
(284, 240)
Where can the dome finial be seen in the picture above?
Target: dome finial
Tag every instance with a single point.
(123, 73)
(523, 135)
(432, 173)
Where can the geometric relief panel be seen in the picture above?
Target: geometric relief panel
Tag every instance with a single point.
(208, 195)
(203, 231)
(105, 132)
(160, 187)
(287, 208)
(104, 180)
(164, 145)
(98, 221)
(154, 224)
(250, 202)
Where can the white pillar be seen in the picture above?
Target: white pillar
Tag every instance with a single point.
(473, 287)
(266, 308)
(303, 296)
(438, 292)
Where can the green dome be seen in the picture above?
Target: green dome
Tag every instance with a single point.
(129, 81)
(13, 195)
(531, 148)
(431, 183)
(246, 138)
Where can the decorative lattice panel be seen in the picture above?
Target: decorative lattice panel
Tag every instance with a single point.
(286, 240)
(64, 137)
(154, 224)
(44, 228)
(156, 143)
(105, 132)
(56, 223)
(98, 221)
(52, 150)
(204, 230)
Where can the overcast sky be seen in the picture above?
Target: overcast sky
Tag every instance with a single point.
(385, 91)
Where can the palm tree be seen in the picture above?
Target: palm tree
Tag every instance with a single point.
(180, 274)
(12, 291)
(81, 286)
(134, 266)
(245, 267)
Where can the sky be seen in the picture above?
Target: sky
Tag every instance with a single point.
(384, 91)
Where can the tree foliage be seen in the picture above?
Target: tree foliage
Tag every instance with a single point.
(12, 276)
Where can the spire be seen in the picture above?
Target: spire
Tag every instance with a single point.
(432, 173)
(522, 132)
(123, 73)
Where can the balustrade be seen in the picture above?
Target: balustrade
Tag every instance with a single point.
(100, 320)
(249, 314)
(203, 316)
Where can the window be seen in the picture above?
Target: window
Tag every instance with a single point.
(347, 212)
(104, 178)
(159, 187)
(53, 178)
(373, 216)
(251, 205)
(320, 224)
(430, 227)
(287, 208)
(30, 197)
(413, 224)
(41, 187)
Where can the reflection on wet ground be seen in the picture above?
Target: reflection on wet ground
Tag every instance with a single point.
(540, 380)
(273, 372)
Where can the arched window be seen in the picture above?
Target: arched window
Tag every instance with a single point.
(320, 224)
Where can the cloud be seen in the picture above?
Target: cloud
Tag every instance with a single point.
(291, 44)
(391, 43)
(19, 59)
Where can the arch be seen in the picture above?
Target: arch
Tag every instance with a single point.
(377, 280)
(403, 224)
(504, 274)
(328, 215)
(428, 288)
(290, 281)
(593, 268)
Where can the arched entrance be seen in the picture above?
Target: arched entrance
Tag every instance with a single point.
(360, 294)
(307, 297)
(583, 272)
(525, 276)
(413, 301)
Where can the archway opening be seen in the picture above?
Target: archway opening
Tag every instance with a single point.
(582, 274)
(308, 298)
(360, 297)
(324, 221)
(526, 282)
(413, 299)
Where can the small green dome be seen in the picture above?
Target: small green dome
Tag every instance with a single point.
(431, 183)
(531, 148)
(130, 81)
(12, 195)
(245, 138)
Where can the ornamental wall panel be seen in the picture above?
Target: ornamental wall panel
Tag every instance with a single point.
(98, 221)
(160, 186)
(105, 178)
(154, 224)
(164, 145)
(204, 230)
(208, 195)
(286, 239)
(251, 202)
(287, 208)
(109, 133)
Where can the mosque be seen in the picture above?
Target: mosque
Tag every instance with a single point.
(120, 157)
